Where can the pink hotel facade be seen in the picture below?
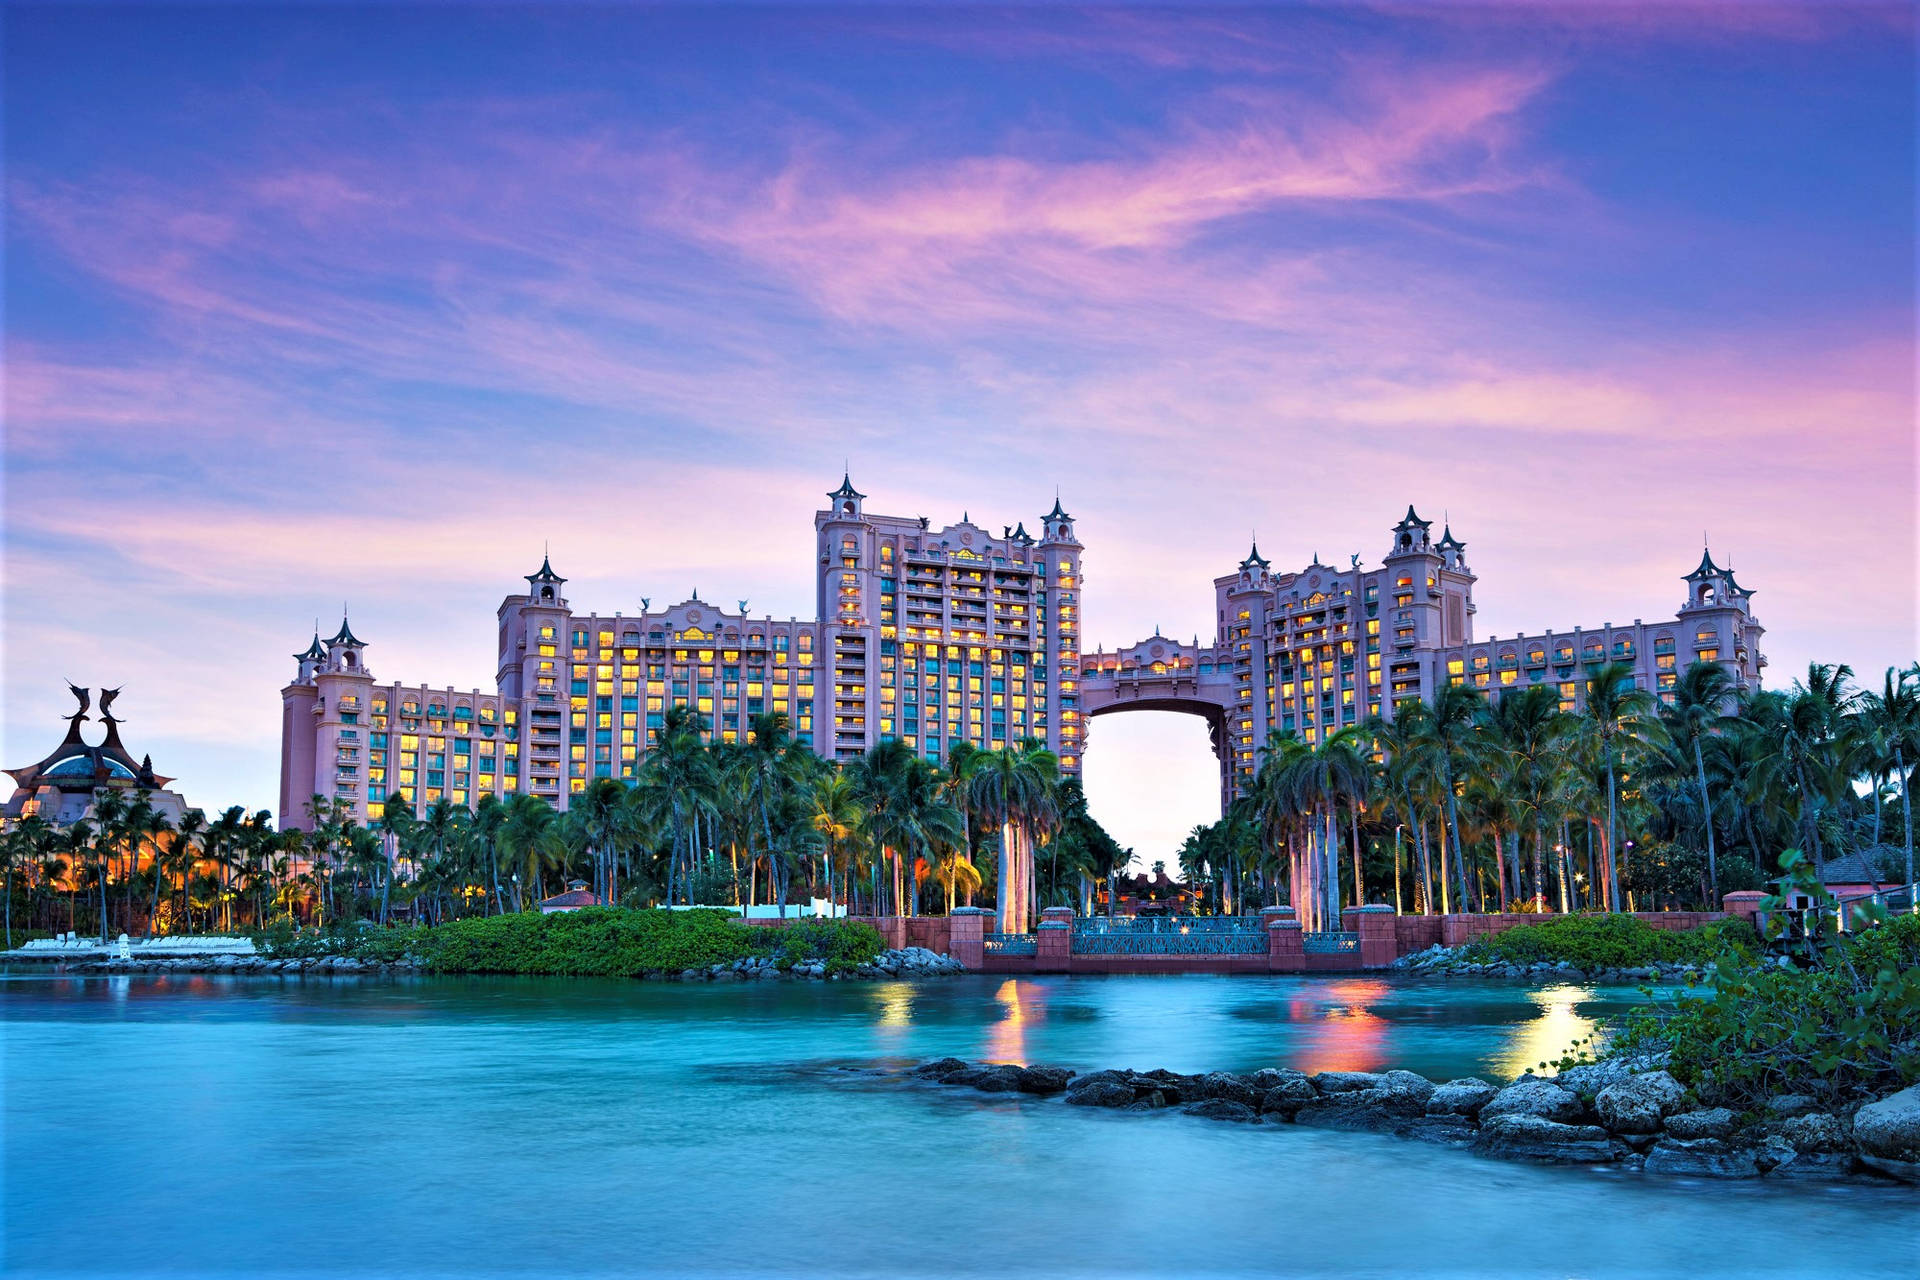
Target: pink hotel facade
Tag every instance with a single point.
(930, 635)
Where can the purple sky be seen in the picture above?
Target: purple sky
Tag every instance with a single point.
(363, 304)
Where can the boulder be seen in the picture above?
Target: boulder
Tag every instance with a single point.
(1097, 1077)
(1588, 1080)
(939, 1068)
(1287, 1097)
(1816, 1131)
(1460, 1097)
(1890, 1128)
(1344, 1081)
(1226, 1085)
(1378, 1108)
(1702, 1158)
(989, 1078)
(1102, 1093)
(1531, 1096)
(1408, 1082)
(1221, 1109)
(1177, 1087)
(1639, 1103)
(1044, 1080)
(1152, 1102)
(1713, 1122)
(1792, 1104)
(1520, 1136)
(1273, 1077)
(1904, 1170)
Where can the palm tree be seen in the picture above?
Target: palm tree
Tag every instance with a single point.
(1701, 699)
(833, 809)
(1619, 716)
(1450, 726)
(530, 837)
(1890, 721)
(603, 819)
(1016, 788)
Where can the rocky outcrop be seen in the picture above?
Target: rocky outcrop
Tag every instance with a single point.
(1541, 1099)
(1451, 962)
(903, 963)
(1463, 1098)
(1524, 1136)
(1888, 1134)
(1713, 1122)
(1639, 1104)
(1636, 1118)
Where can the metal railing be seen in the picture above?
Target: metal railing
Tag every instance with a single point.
(1329, 944)
(1170, 935)
(1011, 944)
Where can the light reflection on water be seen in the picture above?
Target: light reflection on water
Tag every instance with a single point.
(499, 1126)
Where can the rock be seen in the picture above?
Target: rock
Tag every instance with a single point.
(1379, 1108)
(1589, 1079)
(1044, 1080)
(1104, 1093)
(1815, 1166)
(1450, 1131)
(1713, 1122)
(1286, 1098)
(1097, 1077)
(939, 1068)
(1904, 1170)
(1815, 1131)
(1531, 1096)
(1272, 1078)
(1226, 1085)
(1408, 1082)
(1152, 1102)
(1890, 1128)
(1460, 1097)
(1221, 1109)
(989, 1078)
(1521, 1136)
(1792, 1104)
(1344, 1081)
(1702, 1158)
(1639, 1103)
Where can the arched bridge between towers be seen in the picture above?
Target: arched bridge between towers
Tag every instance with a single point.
(1160, 674)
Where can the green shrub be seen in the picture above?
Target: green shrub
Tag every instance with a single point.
(282, 939)
(1849, 1024)
(1591, 942)
(843, 944)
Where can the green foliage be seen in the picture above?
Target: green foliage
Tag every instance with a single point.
(283, 939)
(1850, 1023)
(843, 944)
(1613, 942)
(616, 942)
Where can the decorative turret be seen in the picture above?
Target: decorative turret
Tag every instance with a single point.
(1410, 536)
(1452, 550)
(344, 650)
(545, 585)
(1711, 587)
(846, 499)
(1058, 525)
(311, 659)
(1254, 569)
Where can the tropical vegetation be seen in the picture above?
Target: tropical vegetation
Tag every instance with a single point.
(1522, 803)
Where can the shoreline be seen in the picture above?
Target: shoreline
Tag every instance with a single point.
(1628, 1114)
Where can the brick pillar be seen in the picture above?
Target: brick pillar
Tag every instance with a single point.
(1379, 947)
(1054, 939)
(1744, 903)
(967, 936)
(1286, 946)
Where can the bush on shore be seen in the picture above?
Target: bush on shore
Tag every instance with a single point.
(1846, 1025)
(1592, 942)
(599, 941)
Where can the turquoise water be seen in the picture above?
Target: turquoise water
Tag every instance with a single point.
(449, 1127)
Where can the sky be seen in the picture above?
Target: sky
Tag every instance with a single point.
(366, 305)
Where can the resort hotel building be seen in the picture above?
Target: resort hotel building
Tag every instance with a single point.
(930, 635)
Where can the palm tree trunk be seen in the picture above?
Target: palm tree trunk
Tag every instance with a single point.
(1359, 880)
(1906, 812)
(1706, 818)
(1613, 819)
(1426, 871)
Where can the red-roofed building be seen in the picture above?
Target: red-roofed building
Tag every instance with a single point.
(576, 897)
